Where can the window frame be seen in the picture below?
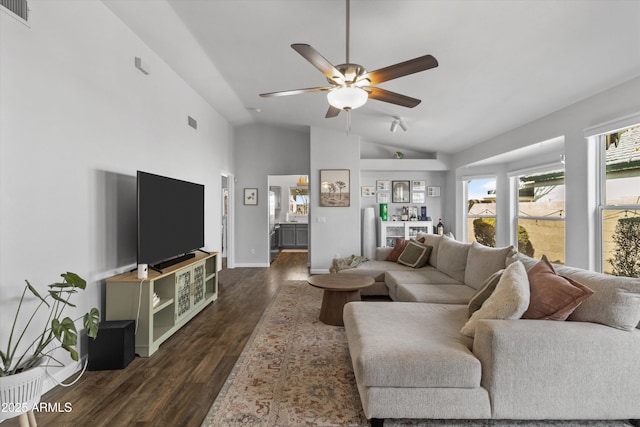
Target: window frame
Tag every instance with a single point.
(601, 196)
(465, 200)
(514, 176)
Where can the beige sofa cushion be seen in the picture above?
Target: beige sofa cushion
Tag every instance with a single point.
(432, 240)
(508, 301)
(452, 257)
(376, 269)
(615, 301)
(437, 294)
(483, 261)
(404, 344)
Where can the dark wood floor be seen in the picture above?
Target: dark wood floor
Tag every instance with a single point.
(177, 385)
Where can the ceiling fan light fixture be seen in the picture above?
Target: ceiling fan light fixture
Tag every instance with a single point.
(347, 97)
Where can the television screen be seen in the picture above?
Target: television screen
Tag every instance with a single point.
(170, 217)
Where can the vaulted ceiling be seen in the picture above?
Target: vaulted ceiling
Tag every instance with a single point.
(502, 63)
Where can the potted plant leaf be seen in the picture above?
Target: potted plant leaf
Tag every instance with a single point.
(22, 364)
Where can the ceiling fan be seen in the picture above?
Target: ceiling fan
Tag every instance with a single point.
(351, 84)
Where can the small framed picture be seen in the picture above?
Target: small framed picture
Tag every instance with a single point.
(250, 196)
(400, 192)
(418, 186)
(417, 197)
(382, 197)
(383, 185)
(433, 192)
(368, 191)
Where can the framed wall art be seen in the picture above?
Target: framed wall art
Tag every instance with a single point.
(400, 192)
(368, 191)
(418, 186)
(382, 197)
(250, 196)
(417, 197)
(335, 188)
(433, 192)
(383, 185)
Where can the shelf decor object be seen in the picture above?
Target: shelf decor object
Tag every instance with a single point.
(250, 196)
(335, 188)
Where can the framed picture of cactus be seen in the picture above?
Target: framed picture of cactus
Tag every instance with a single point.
(335, 187)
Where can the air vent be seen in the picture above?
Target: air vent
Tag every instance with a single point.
(17, 7)
(192, 122)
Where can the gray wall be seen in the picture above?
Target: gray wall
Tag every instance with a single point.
(262, 150)
(334, 231)
(580, 165)
(77, 121)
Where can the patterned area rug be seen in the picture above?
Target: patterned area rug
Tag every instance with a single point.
(296, 371)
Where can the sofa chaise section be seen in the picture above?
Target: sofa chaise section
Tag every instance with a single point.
(410, 361)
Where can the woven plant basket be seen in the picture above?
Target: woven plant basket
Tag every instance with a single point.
(21, 392)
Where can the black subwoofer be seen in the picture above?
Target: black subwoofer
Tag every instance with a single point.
(114, 347)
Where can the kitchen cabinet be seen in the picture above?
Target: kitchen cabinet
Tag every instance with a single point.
(294, 236)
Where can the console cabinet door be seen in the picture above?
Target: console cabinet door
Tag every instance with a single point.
(183, 293)
(198, 287)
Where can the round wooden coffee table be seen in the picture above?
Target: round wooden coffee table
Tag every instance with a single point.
(339, 289)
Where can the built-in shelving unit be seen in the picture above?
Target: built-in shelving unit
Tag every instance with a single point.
(183, 289)
(389, 231)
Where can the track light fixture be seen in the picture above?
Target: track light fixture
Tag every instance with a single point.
(397, 121)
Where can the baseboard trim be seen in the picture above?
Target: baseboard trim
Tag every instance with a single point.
(319, 271)
(251, 264)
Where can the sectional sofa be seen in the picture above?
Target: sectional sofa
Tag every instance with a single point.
(453, 345)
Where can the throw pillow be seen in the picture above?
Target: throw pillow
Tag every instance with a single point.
(484, 292)
(397, 249)
(415, 254)
(483, 261)
(553, 297)
(452, 258)
(508, 301)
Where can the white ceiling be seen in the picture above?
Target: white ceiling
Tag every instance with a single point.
(503, 63)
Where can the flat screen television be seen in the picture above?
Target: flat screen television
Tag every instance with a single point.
(170, 218)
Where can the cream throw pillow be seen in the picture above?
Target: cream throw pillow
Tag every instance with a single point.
(509, 300)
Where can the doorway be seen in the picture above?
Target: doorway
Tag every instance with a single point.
(226, 225)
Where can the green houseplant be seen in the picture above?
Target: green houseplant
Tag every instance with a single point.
(56, 332)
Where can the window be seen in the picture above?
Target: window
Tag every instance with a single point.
(540, 215)
(620, 202)
(299, 200)
(481, 210)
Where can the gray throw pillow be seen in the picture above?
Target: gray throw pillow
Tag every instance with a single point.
(415, 254)
(484, 292)
(483, 261)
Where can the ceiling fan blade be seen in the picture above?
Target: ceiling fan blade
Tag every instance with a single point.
(295, 91)
(320, 62)
(392, 97)
(332, 112)
(401, 69)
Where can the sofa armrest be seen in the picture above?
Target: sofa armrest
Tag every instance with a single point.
(537, 369)
(382, 253)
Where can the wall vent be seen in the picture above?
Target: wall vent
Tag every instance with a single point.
(192, 122)
(17, 7)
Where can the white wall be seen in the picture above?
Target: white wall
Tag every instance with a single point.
(580, 166)
(77, 121)
(334, 231)
(262, 150)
